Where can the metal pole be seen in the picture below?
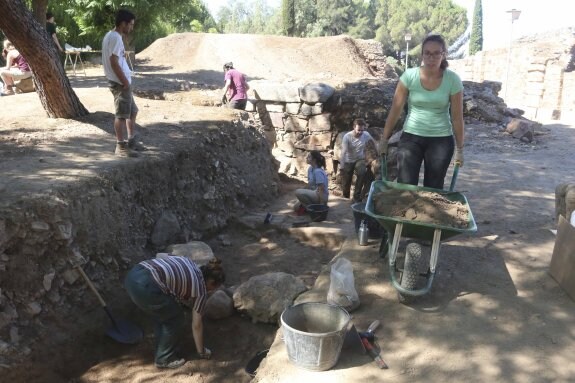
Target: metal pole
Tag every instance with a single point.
(508, 61)
(406, 53)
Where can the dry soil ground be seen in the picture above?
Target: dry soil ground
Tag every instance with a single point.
(494, 313)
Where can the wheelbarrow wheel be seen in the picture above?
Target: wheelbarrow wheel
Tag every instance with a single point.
(410, 274)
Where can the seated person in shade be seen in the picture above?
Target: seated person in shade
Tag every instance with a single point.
(316, 191)
(17, 68)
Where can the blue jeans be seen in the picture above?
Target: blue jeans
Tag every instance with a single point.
(434, 152)
(167, 314)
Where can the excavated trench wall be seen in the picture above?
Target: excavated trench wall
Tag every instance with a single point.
(113, 220)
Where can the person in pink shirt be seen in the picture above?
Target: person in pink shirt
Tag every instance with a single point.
(17, 68)
(235, 90)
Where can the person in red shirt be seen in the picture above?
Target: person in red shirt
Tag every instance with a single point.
(17, 68)
(236, 89)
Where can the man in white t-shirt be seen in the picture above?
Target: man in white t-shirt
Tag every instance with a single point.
(119, 77)
(353, 158)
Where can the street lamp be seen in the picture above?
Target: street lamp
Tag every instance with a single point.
(407, 40)
(514, 16)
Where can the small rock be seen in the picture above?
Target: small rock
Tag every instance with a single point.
(34, 308)
(4, 257)
(4, 347)
(70, 276)
(47, 282)
(40, 226)
(14, 336)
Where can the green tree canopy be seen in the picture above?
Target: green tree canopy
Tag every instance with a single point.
(395, 18)
(86, 21)
(476, 39)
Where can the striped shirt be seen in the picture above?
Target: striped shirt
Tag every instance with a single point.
(180, 278)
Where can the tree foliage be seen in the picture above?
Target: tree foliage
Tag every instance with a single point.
(385, 20)
(254, 17)
(288, 17)
(476, 40)
(395, 18)
(85, 22)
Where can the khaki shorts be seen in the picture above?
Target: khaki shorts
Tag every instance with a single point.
(17, 74)
(123, 100)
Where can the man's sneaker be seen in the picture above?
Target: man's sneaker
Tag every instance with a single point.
(173, 364)
(122, 150)
(134, 144)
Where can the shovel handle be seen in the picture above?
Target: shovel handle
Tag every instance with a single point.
(92, 287)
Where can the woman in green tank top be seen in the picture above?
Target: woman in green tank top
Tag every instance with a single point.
(433, 130)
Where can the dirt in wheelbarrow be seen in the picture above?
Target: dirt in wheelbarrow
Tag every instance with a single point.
(422, 206)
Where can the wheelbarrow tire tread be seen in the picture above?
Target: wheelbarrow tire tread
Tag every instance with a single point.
(410, 275)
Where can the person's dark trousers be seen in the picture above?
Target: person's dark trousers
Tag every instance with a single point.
(434, 152)
(167, 314)
(349, 169)
(238, 104)
(367, 180)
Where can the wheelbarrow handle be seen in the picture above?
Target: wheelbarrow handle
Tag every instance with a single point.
(454, 177)
(383, 166)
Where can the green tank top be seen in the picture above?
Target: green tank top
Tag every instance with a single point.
(428, 110)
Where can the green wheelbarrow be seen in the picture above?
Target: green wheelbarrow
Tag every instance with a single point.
(406, 284)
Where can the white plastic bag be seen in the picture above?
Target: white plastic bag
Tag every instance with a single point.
(342, 286)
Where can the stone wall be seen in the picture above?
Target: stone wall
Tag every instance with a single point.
(300, 117)
(537, 82)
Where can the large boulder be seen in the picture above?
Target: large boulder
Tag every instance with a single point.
(522, 129)
(219, 305)
(315, 92)
(166, 230)
(264, 297)
(198, 252)
(276, 91)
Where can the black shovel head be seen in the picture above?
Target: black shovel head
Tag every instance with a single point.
(125, 332)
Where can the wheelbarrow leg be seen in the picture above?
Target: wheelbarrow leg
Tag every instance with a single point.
(435, 250)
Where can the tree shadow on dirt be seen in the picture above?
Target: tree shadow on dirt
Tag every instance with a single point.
(81, 81)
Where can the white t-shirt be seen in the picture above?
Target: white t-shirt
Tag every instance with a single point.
(353, 148)
(114, 45)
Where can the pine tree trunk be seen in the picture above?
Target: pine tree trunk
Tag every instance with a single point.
(32, 41)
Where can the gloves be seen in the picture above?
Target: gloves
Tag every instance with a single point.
(207, 354)
(224, 99)
(458, 156)
(383, 147)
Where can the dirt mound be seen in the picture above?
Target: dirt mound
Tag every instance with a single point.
(330, 59)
